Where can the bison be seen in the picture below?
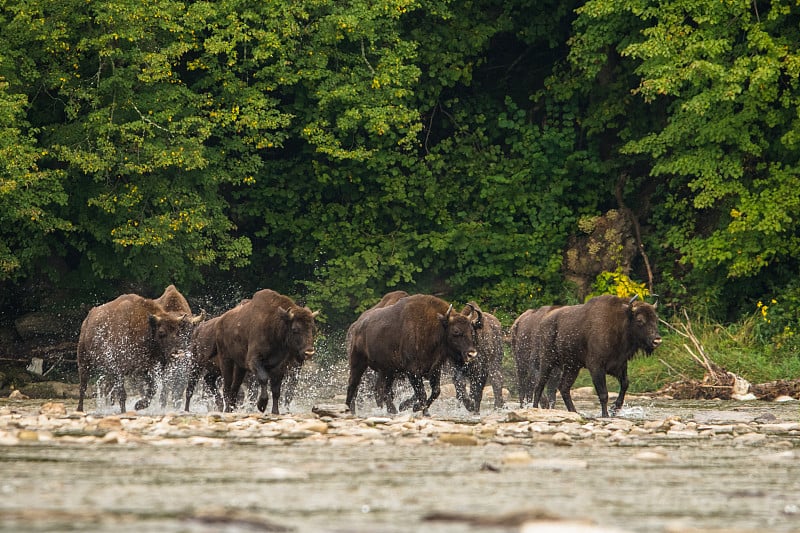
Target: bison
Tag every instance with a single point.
(260, 336)
(487, 364)
(525, 329)
(381, 380)
(203, 361)
(601, 335)
(413, 337)
(133, 337)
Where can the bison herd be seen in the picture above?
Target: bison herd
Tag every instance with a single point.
(269, 337)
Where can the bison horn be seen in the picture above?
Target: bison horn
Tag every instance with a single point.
(478, 322)
(447, 315)
(199, 318)
(314, 314)
(635, 297)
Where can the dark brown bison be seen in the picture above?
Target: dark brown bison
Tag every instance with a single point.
(601, 335)
(260, 336)
(379, 381)
(130, 337)
(525, 329)
(487, 364)
(412, 337)
(203, 361)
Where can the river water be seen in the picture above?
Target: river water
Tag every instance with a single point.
(661, 466)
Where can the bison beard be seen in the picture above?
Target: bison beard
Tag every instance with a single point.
(130, 337)
(412, 337)
(261, 336)
(601, 335)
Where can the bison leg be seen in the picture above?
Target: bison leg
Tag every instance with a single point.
(434, 379)
(460, 383)
(600, 387)
(419, 398)
(148, 391)
(524, 383)
(357, 367)
(232, 377)
(275, 385)
(541, 378)
(83, 373)
(118, 388)
(210, 380)
(191, 381)
(476, 385)
(622, 377)
(568, 377)
(386, 395)
(496, 379)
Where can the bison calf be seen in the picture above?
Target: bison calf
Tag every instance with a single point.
(601, 335)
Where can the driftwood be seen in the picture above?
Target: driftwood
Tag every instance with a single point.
(719, 383)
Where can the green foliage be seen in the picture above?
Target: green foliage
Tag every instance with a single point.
(338, 150)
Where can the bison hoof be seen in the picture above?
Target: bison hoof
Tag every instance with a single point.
(141, 404)
(262, 405)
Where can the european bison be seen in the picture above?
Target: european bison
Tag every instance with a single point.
(133, 337)
(381, 380)
(601, 336)
(487, 364)
(526, 328)
(413, 336)
(203, 361)
(260, 336)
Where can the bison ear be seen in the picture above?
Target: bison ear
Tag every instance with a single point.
(286, 314)
(154, 321)
(442, 319)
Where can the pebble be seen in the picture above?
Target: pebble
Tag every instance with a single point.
(333, 425)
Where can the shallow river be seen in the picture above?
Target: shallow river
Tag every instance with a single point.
(662, 466)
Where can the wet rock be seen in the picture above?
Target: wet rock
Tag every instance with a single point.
(550, 526)
(651, 456)
(317, 426)
(750, 439)
(458, 439)
(17, 395)
(517, 458)
(27, 436)
(542, 415)
(332, 410)
(561, 439)
(53, 409)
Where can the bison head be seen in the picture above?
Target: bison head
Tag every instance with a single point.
(459, 330)
(171, 331)
(644, 324)
(300, 328)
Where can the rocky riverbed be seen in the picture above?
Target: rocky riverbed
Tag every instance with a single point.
(662, 465)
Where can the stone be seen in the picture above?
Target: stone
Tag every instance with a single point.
(332, 410)
(458, 439)
(53, 409)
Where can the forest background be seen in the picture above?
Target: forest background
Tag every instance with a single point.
(335, 150)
